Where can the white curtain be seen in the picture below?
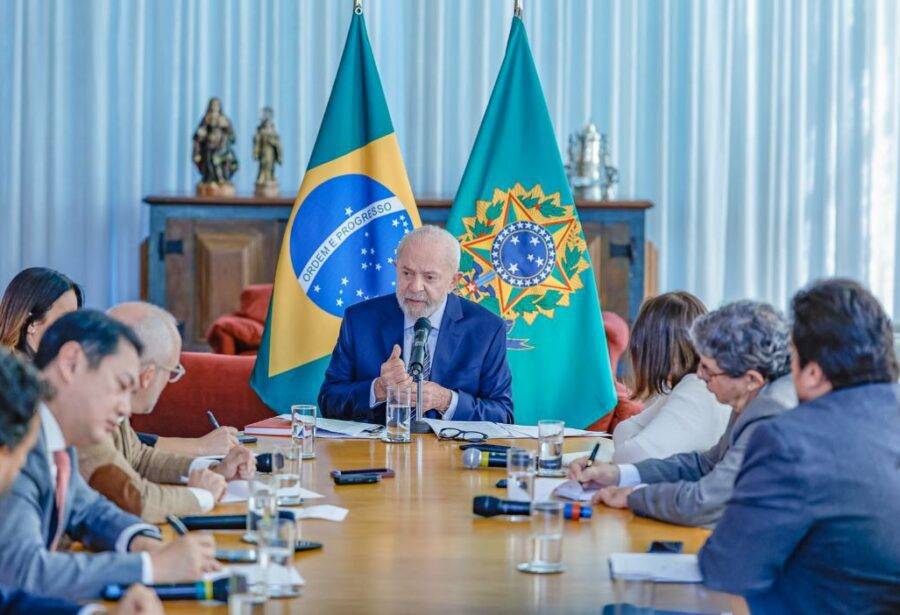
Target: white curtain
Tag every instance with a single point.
(766, 133)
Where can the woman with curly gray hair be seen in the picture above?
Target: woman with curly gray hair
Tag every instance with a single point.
(744, 350)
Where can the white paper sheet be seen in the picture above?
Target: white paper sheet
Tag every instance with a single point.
(328, 512)
(605, 454)
(573, 490)
(496, 431)
(334, 428)
(544, 488)
(255, 573)
(239, 491)
(657, 567)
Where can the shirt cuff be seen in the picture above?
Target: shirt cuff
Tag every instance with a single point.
(202, 463)
(92, 609)
(372, 401)
(629, 475)
(451, 409)
(146, 569)
(124, 539)
(204, 498)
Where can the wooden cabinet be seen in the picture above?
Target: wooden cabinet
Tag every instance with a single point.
(202, 251)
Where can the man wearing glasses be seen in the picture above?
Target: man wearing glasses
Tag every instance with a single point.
(148, 481)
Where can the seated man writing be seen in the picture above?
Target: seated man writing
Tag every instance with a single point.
(466, 374)
(91, 363)
(143, 480)
(745, 362)
(20, 393)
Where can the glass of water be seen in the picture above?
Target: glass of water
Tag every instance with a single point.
(262, 503)
(398, 414)
(546, 539)
(286, 469)
(550, 443)
(277, 539)
(519, 475)
(303, 428)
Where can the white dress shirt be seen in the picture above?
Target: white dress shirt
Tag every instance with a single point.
(55, 440)
(408, 335)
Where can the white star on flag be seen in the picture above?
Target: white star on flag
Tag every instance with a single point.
(364, 266)
(317, 288)
(348, 210)
(339, 302)
(395, 223)
(540, 261)
(363, 251)
(514, 240)
(531, 257)
(359, 293)
(345, 281)
(377, 266)
(533, 241)
(514, 267)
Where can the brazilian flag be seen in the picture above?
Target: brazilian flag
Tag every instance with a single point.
(524, 255)
(354, 205)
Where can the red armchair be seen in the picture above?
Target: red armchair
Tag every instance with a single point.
(617, 341)
(216, 382)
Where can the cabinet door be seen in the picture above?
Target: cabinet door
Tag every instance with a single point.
(208, 264)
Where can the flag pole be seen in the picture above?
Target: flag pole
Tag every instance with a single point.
(517, 8)
(357, 7)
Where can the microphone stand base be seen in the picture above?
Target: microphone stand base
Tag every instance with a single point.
(419, 427)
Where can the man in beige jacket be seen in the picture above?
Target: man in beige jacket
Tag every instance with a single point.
(143, 480)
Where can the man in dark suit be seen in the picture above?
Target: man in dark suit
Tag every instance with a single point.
(91, 363)
(466, 374)
(20, 392)
(812, 525)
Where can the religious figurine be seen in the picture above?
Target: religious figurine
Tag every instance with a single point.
(267, 150)
(213, 153)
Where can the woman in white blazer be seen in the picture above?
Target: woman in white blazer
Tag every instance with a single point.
(680, 414)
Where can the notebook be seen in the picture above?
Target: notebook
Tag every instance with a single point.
(657, 567)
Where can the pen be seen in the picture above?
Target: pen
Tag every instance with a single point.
(177, 525)
(593, 454)
(212, 419)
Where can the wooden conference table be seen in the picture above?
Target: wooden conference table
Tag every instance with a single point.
(412, 544)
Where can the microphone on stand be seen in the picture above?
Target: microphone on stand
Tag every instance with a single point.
(417, 354)
(473, 458)
(489, 506)
(201, 590)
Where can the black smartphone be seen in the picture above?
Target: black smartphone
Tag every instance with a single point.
(382, 472)
(665, 546)
(236, 556)
(355, 479)
(245, 439)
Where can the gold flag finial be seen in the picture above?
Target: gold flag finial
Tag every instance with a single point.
(357, 7)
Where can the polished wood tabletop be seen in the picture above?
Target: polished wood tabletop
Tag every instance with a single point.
(411, 543)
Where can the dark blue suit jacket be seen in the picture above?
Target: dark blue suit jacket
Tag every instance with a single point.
(470, 358)
(14, 601)
(813, 525)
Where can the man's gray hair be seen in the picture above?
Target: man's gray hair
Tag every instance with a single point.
(438, 237)
(744, 336)
(155, 327)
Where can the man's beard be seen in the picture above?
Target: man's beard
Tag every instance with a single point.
(416, 310)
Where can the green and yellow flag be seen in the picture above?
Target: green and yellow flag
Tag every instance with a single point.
(524, 255)
(354, 205)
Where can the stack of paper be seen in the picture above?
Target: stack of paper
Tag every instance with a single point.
(239, 491)
(573, 490)
(280, 425)
(656, 567)
(495, 431)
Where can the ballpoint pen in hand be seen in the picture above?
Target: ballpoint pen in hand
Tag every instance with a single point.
(177, 525)
(212, 419)
(593, 454)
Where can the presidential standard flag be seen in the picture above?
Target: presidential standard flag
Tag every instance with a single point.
(354, 205)
(524, 255)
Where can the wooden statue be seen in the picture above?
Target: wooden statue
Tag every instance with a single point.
(267, 150)
(213, 153)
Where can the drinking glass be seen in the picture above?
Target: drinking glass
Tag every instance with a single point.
(546, 539)
(277, 539)
(242, 600)
(286, 469)
(397, 414)
(303, 428)
(262, 503)
(550, 443)
(519, 475)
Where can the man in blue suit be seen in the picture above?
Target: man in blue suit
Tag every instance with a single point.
(812, 525)
(20, 392)
(466, 374)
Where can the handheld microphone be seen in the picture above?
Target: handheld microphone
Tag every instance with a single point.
(201, 590)
(473, 458)
(417, 355)
(489, 506)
